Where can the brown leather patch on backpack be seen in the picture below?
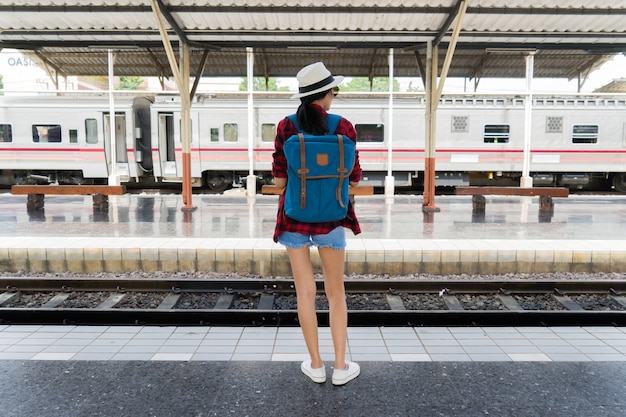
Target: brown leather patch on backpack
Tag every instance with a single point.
(321, 159)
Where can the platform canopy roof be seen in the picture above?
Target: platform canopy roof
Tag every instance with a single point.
(71, 37)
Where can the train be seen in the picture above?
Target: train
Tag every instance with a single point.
(576, 141)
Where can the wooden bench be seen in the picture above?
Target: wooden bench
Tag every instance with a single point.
(545, 195)
(36, 193)
(358, 190)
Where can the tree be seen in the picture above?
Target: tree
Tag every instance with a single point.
(379, 84)
(258, 84)
(129, 83)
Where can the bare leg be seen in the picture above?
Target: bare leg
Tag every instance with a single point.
(333, 262)
(302, 269)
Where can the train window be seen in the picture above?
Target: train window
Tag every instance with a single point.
(268, 132)
(460, 124)
(497, 133)
(215, 134)
(585, 134)
(554, 124)
(370, 133)
(231, 132)
(47, 133)
(91, 131)
(73, 136)
(6, 133)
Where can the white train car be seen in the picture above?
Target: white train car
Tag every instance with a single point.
(573, 140)
(60, 139)
(220, 139)
(576, 141)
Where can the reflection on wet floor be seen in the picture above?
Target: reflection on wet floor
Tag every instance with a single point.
(577, 217)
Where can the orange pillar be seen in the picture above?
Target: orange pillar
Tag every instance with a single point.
(185, 115)
(187, 204)
(428, 204)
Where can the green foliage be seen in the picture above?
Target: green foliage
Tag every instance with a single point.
(259, 84)
(379, 84)
(129, 83)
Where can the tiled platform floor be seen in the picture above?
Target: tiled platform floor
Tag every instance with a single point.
(391, 344)
(68, 371)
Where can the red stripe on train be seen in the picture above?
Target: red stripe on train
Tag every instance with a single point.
(90, 150)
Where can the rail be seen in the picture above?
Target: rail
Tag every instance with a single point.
(271, 302)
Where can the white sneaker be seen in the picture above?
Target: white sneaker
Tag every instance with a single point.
(343, 376)
(316, 374)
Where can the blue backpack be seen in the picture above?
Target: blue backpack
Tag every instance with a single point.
(318, 170)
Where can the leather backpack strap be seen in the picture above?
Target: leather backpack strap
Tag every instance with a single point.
(302, 171)
(333, 122)
(342, 171)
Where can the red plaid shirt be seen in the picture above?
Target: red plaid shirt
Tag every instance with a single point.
(284, 131)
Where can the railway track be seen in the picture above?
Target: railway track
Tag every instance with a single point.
(272, 302)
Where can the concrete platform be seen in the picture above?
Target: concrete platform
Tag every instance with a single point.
(231, 371)
(233, 233)
(277, 389)
(234, 371)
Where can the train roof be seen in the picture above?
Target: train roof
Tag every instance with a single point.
(68, 100)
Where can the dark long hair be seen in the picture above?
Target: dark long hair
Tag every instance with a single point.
(309, 119)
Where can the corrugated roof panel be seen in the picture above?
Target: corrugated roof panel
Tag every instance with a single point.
(287, 34)
(528, 23)
(616, 86)
(307, 3)
(376, 26)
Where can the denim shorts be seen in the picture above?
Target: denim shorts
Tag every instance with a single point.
(335, 239)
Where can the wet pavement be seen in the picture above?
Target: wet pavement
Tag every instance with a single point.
(233, 233)
(238, 216)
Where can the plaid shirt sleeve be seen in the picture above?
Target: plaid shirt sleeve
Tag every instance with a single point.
(284, 130)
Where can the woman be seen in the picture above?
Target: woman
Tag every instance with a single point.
(317, 88)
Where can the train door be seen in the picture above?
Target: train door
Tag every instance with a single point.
(141, 160)
(121, 157)
(171, 147)
(167, 145)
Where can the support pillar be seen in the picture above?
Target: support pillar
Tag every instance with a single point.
(182, 76)
(389, 179)
(428, 205)
(185, 131)
(251, 179)
(526, 181)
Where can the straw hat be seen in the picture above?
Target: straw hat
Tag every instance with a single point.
(315, 78)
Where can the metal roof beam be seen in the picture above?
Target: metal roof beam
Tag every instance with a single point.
(173, 23)
(165, 12)
(420, 66)
(446, 25)
(49, 64)
(157, 64)
(199, 72)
